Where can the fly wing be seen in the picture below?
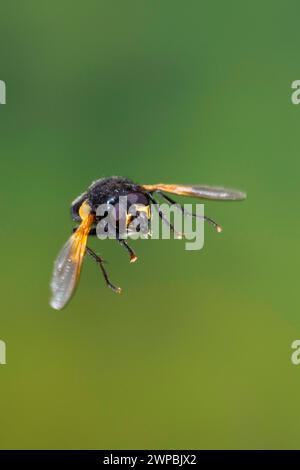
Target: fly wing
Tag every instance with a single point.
(67, 266)
(204, 192)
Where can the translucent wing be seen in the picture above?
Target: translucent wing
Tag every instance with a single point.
(68, 264)
(66, 274)
(205, 192)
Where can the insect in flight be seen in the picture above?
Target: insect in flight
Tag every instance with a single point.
(107, 191)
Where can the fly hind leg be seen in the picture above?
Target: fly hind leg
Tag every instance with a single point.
(100, 262)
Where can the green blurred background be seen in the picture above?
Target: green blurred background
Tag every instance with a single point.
(196, 352)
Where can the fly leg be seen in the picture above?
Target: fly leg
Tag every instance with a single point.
(208, 219)
(132, 255)
(100, 262)
(164, 219)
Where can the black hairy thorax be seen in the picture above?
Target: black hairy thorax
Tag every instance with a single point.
(108, 191)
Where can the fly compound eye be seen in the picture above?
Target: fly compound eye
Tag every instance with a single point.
(137, 203)
(139, 199)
